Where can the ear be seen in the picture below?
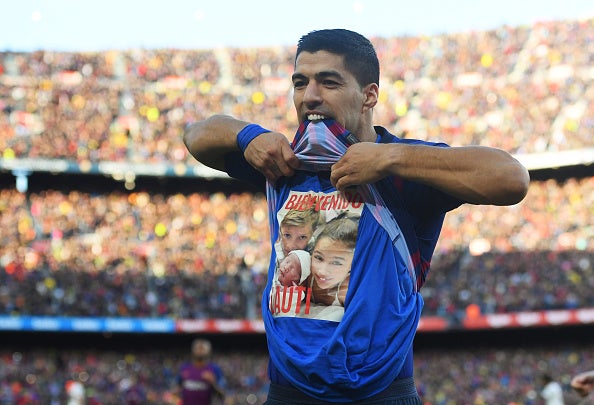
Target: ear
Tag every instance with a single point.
(371, 93)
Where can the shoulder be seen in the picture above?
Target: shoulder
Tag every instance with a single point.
(387, 137)
(215, 367)
(419, 199)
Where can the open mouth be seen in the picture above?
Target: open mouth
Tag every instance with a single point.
(316, 117)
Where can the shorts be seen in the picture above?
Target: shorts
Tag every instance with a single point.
(400, 392)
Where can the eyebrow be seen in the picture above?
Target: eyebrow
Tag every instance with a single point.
(320, 75)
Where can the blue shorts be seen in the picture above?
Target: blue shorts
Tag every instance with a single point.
(401, 392)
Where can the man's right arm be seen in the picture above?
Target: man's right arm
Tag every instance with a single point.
(210, 140)
(583, 383)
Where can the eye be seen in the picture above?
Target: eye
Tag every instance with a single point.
(299, 84)
(330, 83)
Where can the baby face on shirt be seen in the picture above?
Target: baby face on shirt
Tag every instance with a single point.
(289, 270)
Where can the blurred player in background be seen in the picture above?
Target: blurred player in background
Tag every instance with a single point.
(75, 391)
(200, 380)
(552, 392)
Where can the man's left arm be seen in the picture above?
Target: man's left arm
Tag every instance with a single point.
(215, 379)
(474, 174)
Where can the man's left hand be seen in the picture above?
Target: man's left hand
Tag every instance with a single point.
(362, 163)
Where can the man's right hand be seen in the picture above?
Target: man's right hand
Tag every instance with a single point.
(271, 154)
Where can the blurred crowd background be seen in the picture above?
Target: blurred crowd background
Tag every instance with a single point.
(205, 255)
(187, 254)
(523, 89)
(485, 375)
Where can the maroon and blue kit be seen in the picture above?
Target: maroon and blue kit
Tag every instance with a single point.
(195, 390)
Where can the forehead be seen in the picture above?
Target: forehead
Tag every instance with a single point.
(291, 259)
(308, 63)
(297, 228)
(329, 245)
(200, 346)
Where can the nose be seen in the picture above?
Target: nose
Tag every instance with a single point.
(319, 269)
(312, 95)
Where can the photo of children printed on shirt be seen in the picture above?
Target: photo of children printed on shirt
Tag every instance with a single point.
(315, 250)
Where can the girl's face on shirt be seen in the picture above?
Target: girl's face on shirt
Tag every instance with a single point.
(289, 271)
(295, 237)
(330, 262)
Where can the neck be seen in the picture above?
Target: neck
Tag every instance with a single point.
(365, 131)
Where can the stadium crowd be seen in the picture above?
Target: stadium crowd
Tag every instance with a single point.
(485, 375)
(149, 255)
(115, 378)
(202, 255)
(524, 89)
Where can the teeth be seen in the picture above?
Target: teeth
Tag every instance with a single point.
(316, 117)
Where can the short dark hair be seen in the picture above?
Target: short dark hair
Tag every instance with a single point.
(360, 58)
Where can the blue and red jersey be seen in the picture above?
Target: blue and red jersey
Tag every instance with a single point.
(354, 350)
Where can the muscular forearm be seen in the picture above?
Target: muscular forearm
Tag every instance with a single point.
(209, 140)
(268, 152)
(475, 174)
(583, 383)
